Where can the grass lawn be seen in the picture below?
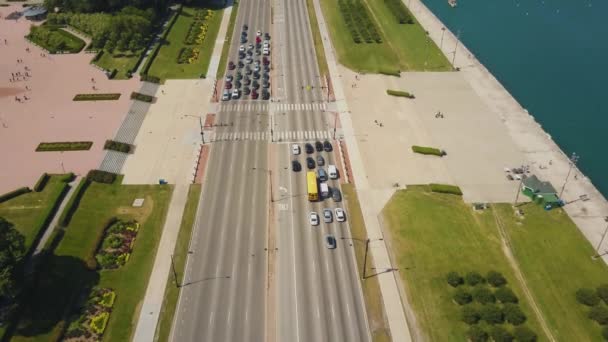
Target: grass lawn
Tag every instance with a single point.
(556, 259)
(431, 234)
(64, 275)
(123, 64)
(165, 64)
(371, 289)
(29, 211)
(62, 40)
(316, 37)
(221, 69)
(405, 47)
(179, 257)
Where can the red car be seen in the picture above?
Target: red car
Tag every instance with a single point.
(254, 94)
(265, 60)
(231, 65)
(258, 40)
(228, 85)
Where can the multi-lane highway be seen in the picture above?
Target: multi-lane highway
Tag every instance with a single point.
(317, 294)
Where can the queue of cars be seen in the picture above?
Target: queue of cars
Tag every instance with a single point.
(252, 70)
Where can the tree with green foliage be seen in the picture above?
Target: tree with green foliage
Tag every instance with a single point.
(602, 292)
(513, 314)
(605, 333)
(470, 315)
(461, 296)
(505, 295)
(524, 334)
(454, 279)
(492, 314)
(496, 279)
(500, 334)
(474, 278)
(12, 250)
(477, 334)
(483, 295)
(599, 313)
(587, 297)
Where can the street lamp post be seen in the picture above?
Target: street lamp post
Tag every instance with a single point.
(200, 123)
(174, 272)
(442, 33)
(597, 249)
(270, 180)
(426, 58)
(335, 124)
(456, 48)
(573, 159)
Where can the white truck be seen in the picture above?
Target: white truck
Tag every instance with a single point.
(324, 190)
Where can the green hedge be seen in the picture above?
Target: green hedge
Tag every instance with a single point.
(446, 189)
(100, 176)
(142, 97)
(118, 146)
(91, 261)
(41, 183)
(400, 93)
(64, 146)
(428, 150)
(96, 97)
(389, 72)
(10, 195)
(70, 209)
(149, 78)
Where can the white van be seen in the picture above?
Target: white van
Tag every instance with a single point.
(324, 190)
(332, 171)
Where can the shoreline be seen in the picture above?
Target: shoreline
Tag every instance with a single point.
(545, 157)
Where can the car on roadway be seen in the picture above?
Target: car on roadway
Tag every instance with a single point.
(295, 149)
(318, 146)
(228, 78)
(320, 160)
(313, 218)
(336, 195)
(265, 60)
(241, 64)
(246, 90)
(246, 81)
(258, 40)
(242, 48)
(237, 84)
(327, 215)
(310, 163)
(266, 84)
(258, 34)
(235, 94)
(226, 95)
(327, 146)
(340, 214)
(256, 68)
(239, 76)
(255, 85)
(254, 94)
(266, 68)
(245, 27)
(322, 175)
(256, 75)
(308, 148)
(265, 94)
(250, 46)
(247, 70)
(228, 85)
(265, 76)
(330, 241)
(243, 39)
(231, 65)
(248, 60)
(296, 166)
(267, 36)
(250, 53)
(266, 51)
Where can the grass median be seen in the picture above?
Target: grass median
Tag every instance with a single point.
(221, 68)
(432, 234)
(180, 254)
(316, 37)
(371, 289)
(64, 275)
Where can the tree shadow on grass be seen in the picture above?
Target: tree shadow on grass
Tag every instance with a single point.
(51, 293)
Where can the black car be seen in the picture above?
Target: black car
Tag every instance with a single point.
(245, 27)
(246, 91)
(327, 146)
(241, 64)
(308, 148)
(231, 65)
(266, 77)
(266, 68)
(246, 81)
(237, 84)
(248, 70)
(256, 75)
(241, 55)
(267, 36)
(239, 76)
(249, 53)
(310, 163)
(336, 195)
(266, 84)
(318, 146)
(296, 166)
(255, 85)
(265, 94)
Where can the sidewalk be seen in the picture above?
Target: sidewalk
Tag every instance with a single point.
(388, 283)
(153, 300)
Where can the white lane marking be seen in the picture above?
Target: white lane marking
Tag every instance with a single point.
(293, 249)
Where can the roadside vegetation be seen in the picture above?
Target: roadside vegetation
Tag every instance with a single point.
(318, 42)
(400, 93)
(64, 146)
(69, 293)
(188, 47)
(221, 69)
(180, 255)
(428, 150)
(96, 97)
(371, 289)
(55, 40)
(427, 246)
(556, 260)
(400, 43)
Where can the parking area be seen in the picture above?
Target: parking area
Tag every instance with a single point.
(36, 92)
(447, 114)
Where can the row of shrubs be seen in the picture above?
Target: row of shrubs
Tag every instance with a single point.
(500, 334)
(496, 279)
(400, 93)
(101, 176)
(12, 194)
(118, 146)
(428, 150)
(359, 21)
(446, 189)
(493, 314)
(399, 11)
(97, 97)
(64, 146)
(597, 299)
(142, 97)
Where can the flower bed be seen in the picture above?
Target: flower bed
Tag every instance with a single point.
(142, 97)
(96, 97)
(117, 244)
(188, 55)
(93, 316)
(198, 28)
(64, 146)
(359, 21)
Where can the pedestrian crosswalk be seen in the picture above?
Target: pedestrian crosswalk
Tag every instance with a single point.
(279, 136)
(278, 107)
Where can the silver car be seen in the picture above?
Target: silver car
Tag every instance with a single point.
(320, 160)
(327, 215)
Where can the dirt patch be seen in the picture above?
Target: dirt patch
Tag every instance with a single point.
(7, 92)
(140, 214)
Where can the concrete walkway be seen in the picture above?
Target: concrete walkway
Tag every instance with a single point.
(153, 300)
(388, 282)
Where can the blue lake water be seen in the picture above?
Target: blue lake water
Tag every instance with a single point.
(552, 57)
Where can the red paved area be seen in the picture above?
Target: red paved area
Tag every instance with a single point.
(209, 120)
(345, 175)
(48, 113)
(202, 163)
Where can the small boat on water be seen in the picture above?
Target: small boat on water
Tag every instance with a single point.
(452, 3)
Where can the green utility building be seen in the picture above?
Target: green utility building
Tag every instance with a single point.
(541, 192)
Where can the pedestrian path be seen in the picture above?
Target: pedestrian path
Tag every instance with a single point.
(265, 135)
(248, 106)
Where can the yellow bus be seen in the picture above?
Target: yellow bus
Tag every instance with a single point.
(313, 191)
